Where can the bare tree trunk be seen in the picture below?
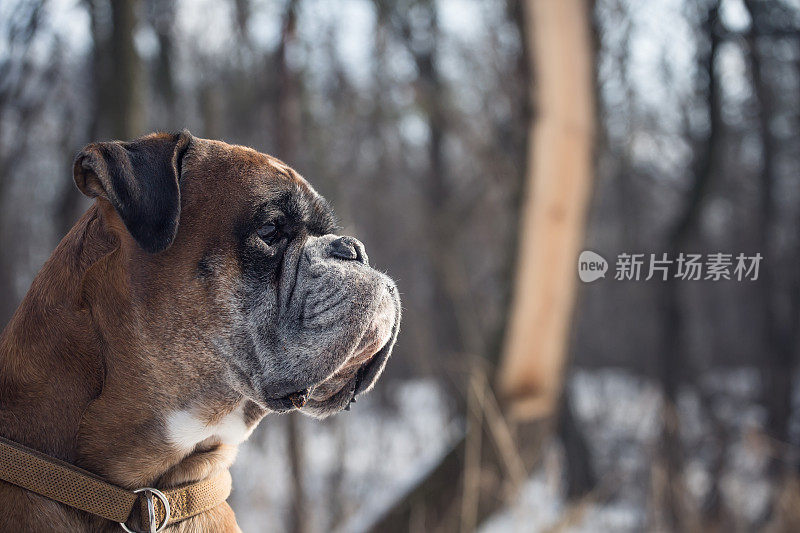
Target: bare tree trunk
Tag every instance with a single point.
(451, 333)
(338, 504)
(9, 301)
(72, 202)
(579, 471)
(780, 290)
(299, 519)
(779, 356)
(499, 456)
(161, 15)
(14, 143)
(117, 88)
(672, 360)
(126, 82)
(211, 110)
(287, 119)
(287, 122)
(560, 161)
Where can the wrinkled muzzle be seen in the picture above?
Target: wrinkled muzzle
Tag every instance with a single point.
(341, 321)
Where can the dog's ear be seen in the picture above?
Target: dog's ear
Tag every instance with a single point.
(141, 179)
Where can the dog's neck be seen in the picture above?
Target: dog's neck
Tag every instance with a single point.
(72, 386)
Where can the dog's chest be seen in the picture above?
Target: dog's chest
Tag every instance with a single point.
(187, 428)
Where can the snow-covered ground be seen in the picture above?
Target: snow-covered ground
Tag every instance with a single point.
(359, 462)
(619, 414)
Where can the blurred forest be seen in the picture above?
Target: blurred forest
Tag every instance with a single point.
(416, 119)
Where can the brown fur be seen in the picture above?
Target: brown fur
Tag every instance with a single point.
(81, 381)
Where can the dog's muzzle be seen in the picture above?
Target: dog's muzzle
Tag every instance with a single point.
(369, 351)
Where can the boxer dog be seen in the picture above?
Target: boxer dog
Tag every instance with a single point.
(203, 289)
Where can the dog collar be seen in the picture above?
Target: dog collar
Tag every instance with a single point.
(83, 490)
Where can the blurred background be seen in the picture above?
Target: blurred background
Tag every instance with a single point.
(476, 147)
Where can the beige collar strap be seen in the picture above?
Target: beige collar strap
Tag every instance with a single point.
(78, 488)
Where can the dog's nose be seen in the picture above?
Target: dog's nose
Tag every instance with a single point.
(348, 248)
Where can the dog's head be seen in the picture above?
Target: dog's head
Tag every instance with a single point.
(235, 269)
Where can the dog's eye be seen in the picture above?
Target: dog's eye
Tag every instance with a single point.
(269, 233)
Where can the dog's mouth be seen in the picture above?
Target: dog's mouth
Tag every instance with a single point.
(336, 392)
(355, 376)
(330, 393)
(300, 399)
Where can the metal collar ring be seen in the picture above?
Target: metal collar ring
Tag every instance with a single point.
(151, 510)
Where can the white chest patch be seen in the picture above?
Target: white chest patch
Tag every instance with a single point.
(185, 429)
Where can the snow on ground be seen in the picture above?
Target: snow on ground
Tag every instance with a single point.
(359, 462)
(619, 414)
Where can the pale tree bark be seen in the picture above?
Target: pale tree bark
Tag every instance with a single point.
(560, 161)
(485, 468)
